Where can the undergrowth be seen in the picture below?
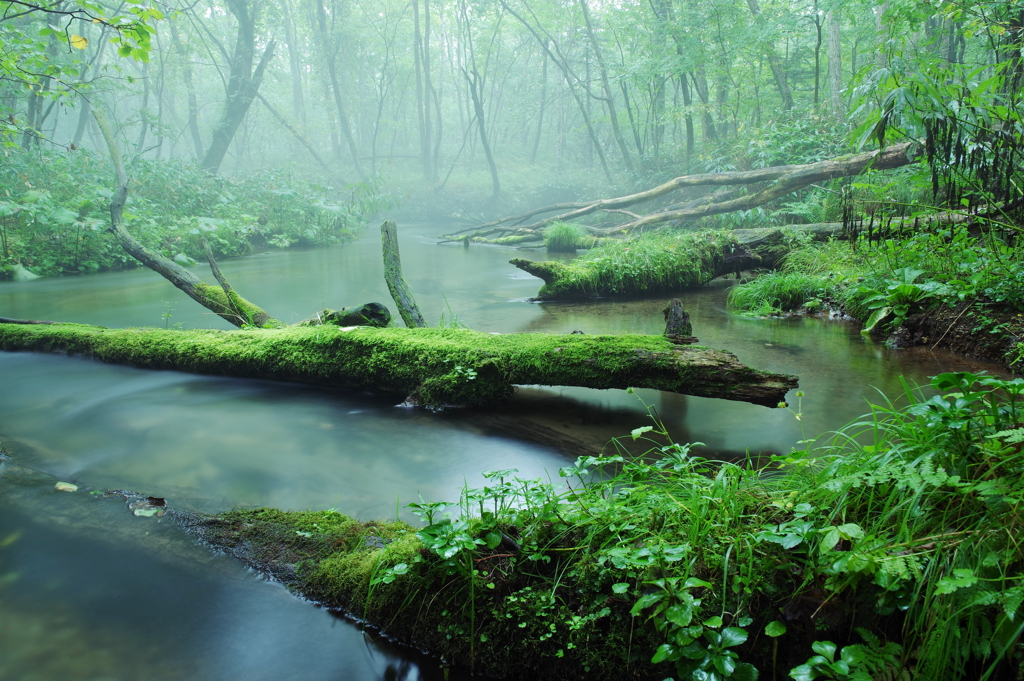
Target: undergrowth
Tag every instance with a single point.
(888, 549)
(54, 211)
(884, 281)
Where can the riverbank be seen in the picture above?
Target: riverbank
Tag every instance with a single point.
(952, 288)
(896, 550)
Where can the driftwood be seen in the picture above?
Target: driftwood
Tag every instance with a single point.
(437, 367)
(784, 180)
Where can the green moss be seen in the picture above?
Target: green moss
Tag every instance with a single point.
(438, 366)
(252, 315)
(650, 263)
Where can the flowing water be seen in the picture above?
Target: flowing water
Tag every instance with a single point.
(88, 591)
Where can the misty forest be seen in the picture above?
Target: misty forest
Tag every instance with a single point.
(524, 339)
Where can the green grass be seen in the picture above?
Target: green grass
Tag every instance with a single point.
(566, 237)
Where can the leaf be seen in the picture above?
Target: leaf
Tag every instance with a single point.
(830, 539)
(961, 578)
(850, 531)
(733, 636)
(745, 672)
(620, 588)
(78, 42)
(876, 316)
(666, 651)
(645, 601)
(774, 629)
(637, 432)
(713, 622)
(826, 649)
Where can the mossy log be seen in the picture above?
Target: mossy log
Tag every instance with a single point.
(435, 367)
(665, 262)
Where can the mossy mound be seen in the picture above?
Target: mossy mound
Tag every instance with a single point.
(657, 262)
(381, 573)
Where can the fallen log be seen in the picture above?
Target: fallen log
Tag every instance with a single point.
(665, 262)
(784, 180)
(435, 367)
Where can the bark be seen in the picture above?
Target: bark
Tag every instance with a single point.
(784, 179)
(677, 324)
(437, 366)
(396, 282)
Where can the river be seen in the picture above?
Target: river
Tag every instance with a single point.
(88, 591)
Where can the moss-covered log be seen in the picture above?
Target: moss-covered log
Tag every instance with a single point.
(434, 366)
(664, 262)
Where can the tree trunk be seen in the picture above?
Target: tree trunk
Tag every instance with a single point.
(835, 66)
(295, 64)
(190, 89)
(227, 305)
(476, 88)
(437, 367)
(400, 291)
(243, 84)
(331, 52)
(609, 99)
(774, 62)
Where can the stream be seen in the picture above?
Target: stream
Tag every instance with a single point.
(88, 591)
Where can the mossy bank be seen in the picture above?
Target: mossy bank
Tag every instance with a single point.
(892, 540)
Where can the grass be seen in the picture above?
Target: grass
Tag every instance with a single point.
(566, 237)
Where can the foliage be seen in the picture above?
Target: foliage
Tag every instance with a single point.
(883, 279)
(54, 211)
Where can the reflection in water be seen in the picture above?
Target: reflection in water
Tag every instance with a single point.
(103, 595)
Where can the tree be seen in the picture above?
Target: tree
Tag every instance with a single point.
(243, 82)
